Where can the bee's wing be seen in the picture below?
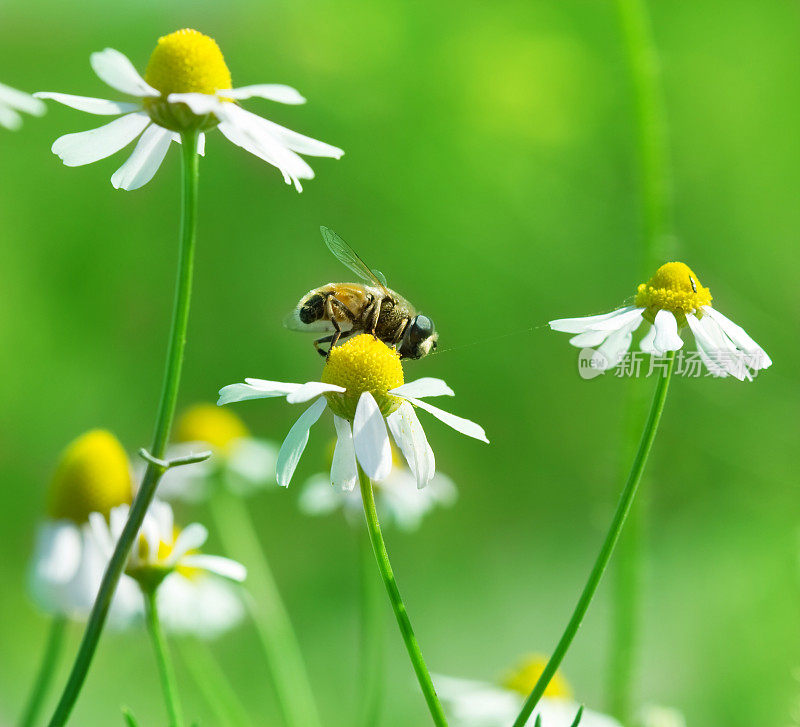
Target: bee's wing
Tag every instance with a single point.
(347, 256)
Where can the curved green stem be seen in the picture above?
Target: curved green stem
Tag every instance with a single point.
(370, 685)
(166, 412)
(165, 670)
(52, 651)
(269, 614)
(625, 501)
(407, 632)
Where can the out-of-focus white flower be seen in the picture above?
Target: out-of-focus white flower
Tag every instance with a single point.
(364, 387)
(482, 704)
(239, 462)
(672, 300)
(187, 85)
(656, 716)
(12, 102)
(196, 593)
(93, 476)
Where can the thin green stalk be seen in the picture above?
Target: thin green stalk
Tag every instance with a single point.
(166, 672)
(44, 677)
(370, 685)
(166, 412)
(407, 632)
(625, 501)
(656, 214)
(269, 614)
(213, 683)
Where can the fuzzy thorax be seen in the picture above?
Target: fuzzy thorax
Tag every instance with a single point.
(93, 475)
(675, 288)
(212, 424)
(363, 364)
(523, 678)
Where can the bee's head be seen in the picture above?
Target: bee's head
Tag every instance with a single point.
(419, 339)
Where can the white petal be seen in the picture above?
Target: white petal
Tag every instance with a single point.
(190, 538)
(740, 337)
(464, 426)
(86, 147)
(310, 390)
(101, 534)
(589, 339)
(115, 69)
(9, 118)
(271, 91)
(218, 565)
(410, 437)
(57, 552)
(584, 323)
(647, 344)
(615, 346)
(117, 519)
(204, 606)
(200, 103)
(21, 101)
(710, 346)
(98, 106)
(297, 142)
(344, 472)
(318, 497)
(145, 160)
(426, 386)
(255, 389)
(667, 338)
(373, 449)
(252, 461)
(296, 440)
(201, 144)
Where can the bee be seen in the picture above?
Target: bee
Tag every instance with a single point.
(343, 309)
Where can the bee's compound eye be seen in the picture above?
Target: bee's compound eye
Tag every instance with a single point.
(421, 328)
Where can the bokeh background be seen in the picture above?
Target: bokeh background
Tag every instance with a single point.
(491, 172)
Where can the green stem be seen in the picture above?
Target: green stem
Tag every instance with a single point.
(166, 411)
(407, 632)
(370, 685)
(52, 651)
(625, 501)
(165, 669)
(213, 683)
(269, 614)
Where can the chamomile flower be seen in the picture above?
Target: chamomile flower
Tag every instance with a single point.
(196, 593)
(363, 385)
(12, 102)
(481, 704)
(93, 476)
(398, 499)
(671, 301)
(186, 85)
(239, 462)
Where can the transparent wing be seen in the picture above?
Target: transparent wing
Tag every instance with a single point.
(347, 256)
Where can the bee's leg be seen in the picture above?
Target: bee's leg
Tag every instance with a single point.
(326, 339)
(371, 315)
(401, 329)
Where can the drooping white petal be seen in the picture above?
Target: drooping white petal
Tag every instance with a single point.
(618, 343)
(714, 350)
(296, 440)
(190, 538)
(426, 386)
(344, 472)
(86, 147)
(647, 344)
(585, 323)
(464, 426)
(410, 437)
(89, 104)
(56, 558)
(142, 165)
(9, 118)
(204, 605)
(667, 337)
(271, 91)
(589, 339)
(371, 440)
(255, 389)
(21, 101)
(297, 142)
(216, 564)
(117, 519)
(740, 337)
(200, 103)
(115, 69)
(310, 390)
(101, 534)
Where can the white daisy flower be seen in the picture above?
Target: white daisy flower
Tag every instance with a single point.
(363, 385)
(483, 704)
(658, 716)
(672, 300)
(239, 462)
(398, 499)
(12, 102)
(187, 85)
(196, 593)
(92, 477)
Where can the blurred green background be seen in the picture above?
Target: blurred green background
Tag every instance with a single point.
(491, 172)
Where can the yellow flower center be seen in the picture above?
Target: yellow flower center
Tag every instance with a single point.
(675, 288)
(212, 424)
(363, 364)
(93, 475)
(187, 61)
(523, 678)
